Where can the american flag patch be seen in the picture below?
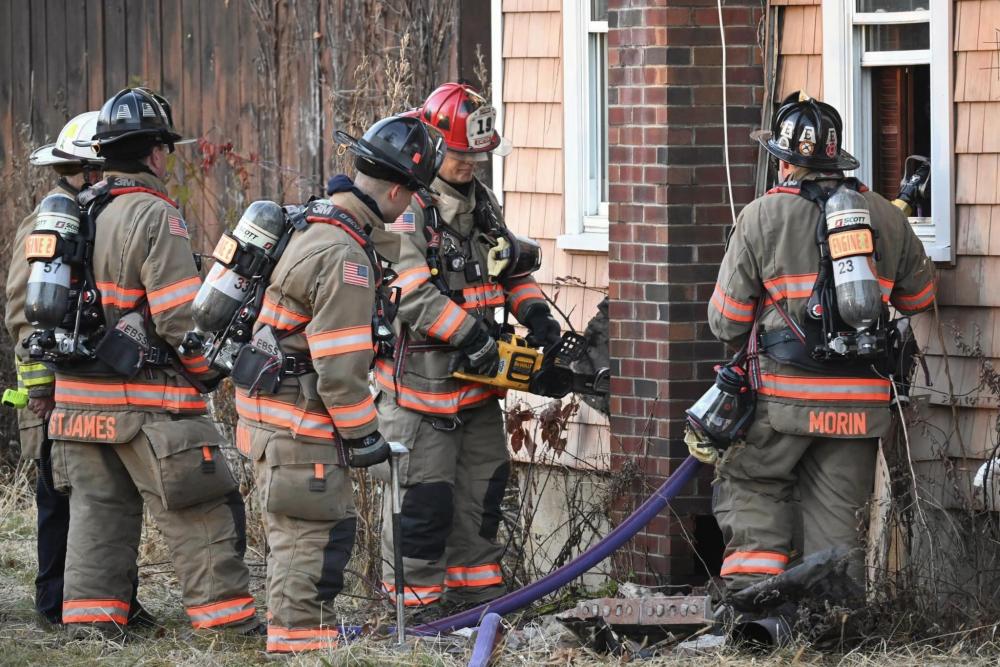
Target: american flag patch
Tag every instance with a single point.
(177, 227)
(355, 274)
(404, 223)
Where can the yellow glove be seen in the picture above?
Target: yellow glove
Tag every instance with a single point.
(701, 449)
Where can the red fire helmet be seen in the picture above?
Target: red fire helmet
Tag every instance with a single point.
(464, 117)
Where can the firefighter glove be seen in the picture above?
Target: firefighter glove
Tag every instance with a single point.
(544, 331)
(480, 350)
(701, 449)
(367, 451)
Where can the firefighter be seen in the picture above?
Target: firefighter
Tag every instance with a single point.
(816, 334)
(456, 471)
(77, 168)
(128, 425)
(325, 307)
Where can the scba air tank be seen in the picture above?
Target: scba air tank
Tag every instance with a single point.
(852, 250)
(238, 257)
(47, 297)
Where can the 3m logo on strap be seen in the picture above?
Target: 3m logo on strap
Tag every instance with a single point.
(404, 223)
(177, 227)
(356, 274)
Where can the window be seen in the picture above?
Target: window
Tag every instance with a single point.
(585, 126)
(881, 60)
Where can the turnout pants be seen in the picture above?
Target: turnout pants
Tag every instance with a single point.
(203, 524)
(310, 521)
(762, 485)
(453, 481)
(53, 527)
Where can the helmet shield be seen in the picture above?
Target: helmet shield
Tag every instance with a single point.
(807, 133)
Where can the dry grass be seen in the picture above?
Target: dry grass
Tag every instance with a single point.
(23, 642)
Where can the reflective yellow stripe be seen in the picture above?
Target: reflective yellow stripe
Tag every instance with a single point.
(34, 374)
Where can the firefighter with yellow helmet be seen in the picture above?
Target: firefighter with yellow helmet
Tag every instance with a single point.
(468, 269)
(129, 425)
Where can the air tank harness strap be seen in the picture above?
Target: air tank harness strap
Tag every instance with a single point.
(384, 312)
(432, 234)
(323, 211)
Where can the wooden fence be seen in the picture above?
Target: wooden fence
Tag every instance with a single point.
(273, 78)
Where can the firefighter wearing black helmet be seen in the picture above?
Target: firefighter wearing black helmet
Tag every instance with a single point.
(317, 315)
(128, 437)
(786, 293)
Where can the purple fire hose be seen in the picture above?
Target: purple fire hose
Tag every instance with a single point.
(486, 641)
(588, 559)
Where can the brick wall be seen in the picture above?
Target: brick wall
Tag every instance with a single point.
(669, 216)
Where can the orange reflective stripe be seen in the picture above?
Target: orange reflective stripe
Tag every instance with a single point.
(319, 471)
(794, 286)
(824, 388)
(522, 293)
(93, 393)
(340, 341)
(243, 439)
(285, 415)
(730, 308)
(288, 640)
(411, 279)
(122, 298)
(479, 575)
(95, 611)
(173, 295)
(414, 596)
(221, 613)
(196, 364)
(921, 299)
(206, 453)
(443, 403)
(754, 562)
(483, 296)
(280, 317)
(352, 416)
(448, 322)
(885, 285)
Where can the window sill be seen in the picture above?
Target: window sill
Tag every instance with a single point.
(587, 242)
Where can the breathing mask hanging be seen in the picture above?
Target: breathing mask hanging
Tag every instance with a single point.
(723, 413)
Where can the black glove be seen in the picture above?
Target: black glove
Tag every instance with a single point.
(543, 328)
(367, 451)
(480, 350)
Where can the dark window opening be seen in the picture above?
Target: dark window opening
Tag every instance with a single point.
(901, 123)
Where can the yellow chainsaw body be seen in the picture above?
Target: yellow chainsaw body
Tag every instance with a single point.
(518, 362)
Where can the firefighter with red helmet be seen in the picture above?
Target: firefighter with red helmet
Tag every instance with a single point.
(456, 471)
(805, 286)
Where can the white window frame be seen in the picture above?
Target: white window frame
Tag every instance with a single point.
(496, 88)
(587, 233)
(846, 85)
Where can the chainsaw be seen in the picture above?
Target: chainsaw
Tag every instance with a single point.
(524, 368)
